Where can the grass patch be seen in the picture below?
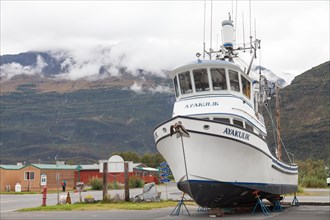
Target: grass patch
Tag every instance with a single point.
(104, 206)
(19, 193)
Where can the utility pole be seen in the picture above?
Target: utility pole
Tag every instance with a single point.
(126, 181)
(278, 123)
(105, 181)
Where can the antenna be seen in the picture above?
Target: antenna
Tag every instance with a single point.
(255, 28)
(243, 32)
(232, 7)
(255, 36)
(204, 30)
(235, 22)
(250, 26)
(211, 30)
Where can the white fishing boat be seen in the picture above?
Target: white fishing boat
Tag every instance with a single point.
(215, 143)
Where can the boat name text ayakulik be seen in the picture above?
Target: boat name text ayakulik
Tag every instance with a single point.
(201, 104)
(236, 133)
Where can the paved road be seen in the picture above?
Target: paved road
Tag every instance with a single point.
(10, 203)
(13, 202)
(300, 213)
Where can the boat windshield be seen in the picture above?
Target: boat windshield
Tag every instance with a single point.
(234, 82)
(218, 79)
(214, 79)
(185, 82)
(201, 80)
(246, 85)
(176, 86)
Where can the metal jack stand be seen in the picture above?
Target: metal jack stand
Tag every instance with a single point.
(295, 201)
(178, 207)
(264, 208)
(277, 206)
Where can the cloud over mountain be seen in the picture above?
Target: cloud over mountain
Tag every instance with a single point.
(116, 62)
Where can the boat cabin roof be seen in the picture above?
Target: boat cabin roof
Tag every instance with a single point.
(205, 64)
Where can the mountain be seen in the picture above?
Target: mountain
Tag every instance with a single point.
(45, 113)
(46, 110)
(272, 77)
(305, 114)
(62, 65)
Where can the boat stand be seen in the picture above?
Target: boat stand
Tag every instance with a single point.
(295, 201)
(277, 206)
(263, 207)
(178, 207)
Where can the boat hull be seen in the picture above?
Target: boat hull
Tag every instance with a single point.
(221, 165)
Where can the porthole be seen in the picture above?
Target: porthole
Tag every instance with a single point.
(206, 127)
(164, 130)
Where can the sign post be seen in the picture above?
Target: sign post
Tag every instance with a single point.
(165, 171)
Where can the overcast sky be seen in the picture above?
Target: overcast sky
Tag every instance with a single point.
(164, 34)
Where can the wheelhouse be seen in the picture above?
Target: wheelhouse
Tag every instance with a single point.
(211, 78)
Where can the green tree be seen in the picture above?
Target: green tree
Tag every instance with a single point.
(129, 156)
(147, 159)
(312, 173)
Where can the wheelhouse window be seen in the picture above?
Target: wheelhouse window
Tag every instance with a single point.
(185, 82)
(246, 86)
(176, 88)
(201, 80)
(218, 79)
(238, 123)
(234, 82)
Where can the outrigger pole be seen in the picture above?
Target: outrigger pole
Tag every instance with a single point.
(278, 124)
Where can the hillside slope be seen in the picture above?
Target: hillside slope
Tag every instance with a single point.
(305, 114)
(81, 126)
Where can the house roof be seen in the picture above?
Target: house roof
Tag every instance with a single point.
(11, 167)
(40, 166)
(55, 166)
(90, 167)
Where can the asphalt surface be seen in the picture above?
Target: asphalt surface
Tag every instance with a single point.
(318, 208)
(296, 212)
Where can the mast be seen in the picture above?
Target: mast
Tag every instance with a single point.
(278, 126)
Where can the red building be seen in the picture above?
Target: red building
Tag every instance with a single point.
(87, 172)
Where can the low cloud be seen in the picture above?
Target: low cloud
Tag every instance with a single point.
(12, 69)
(161, 89)
(139, 88)
(109, 61)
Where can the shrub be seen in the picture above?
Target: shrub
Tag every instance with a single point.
(312, 173)
(114, 185)
(135, 182)
(95, 183)
(313, 182)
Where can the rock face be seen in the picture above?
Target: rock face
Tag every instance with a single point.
(150, 194)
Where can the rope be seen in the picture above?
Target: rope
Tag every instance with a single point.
(273, 125)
